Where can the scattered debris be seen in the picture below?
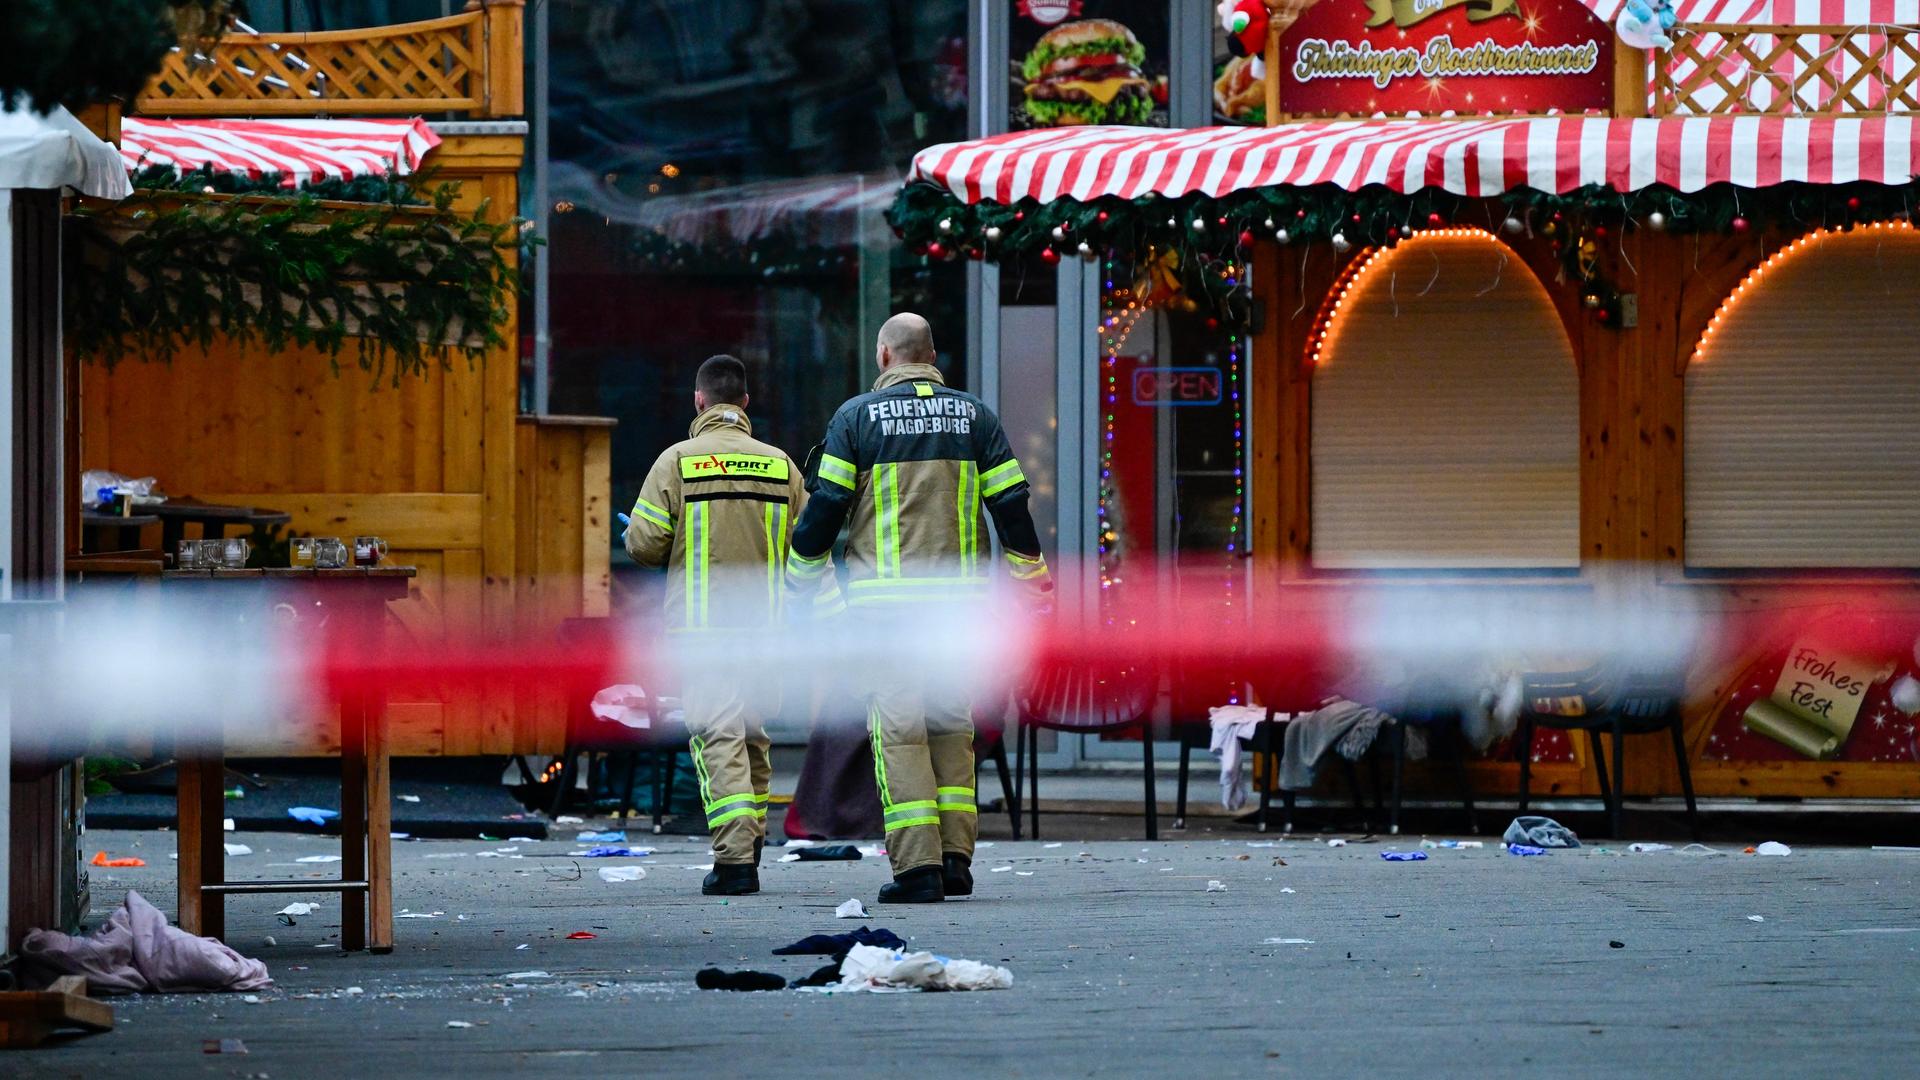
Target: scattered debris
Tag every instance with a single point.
(1525, 849)
(715, 979)
(613, 851)
(1287, 941)
(459, 1023)
(828, 853)
(1216, 886)
(877, 970)
(239, 849)
(569, 819)
(1531, 830)
(1773, 847)
(612, 836)
(852, 909)
(1616, 944)
(1285, 890)
(519, 975)
(517, 948)
(1023, 873)
(1451, 844)
(226, 824)
(1052, 845)
(100, 859)
(1336, 842)
(999, 869)
(1756, 918)
(222, 1046)
(622, 873)
(1642, 849)
(581, 935)
(1404, 856)
(312, 815)
(318, 858)
(1894, 847)
(419, 914)
(838, 944)
(408, 798)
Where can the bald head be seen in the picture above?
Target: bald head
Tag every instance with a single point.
(905, 339)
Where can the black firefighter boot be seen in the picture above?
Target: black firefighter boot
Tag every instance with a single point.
(731, 879)
(956, 872)
(918, 886)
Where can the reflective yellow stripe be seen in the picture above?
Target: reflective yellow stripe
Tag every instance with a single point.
(696, 564)
(716, 804)
(739, 466)
(908, 823)
(838, 470)
(893, 512)
(958, 808)
(1000, 478)
(879, 754)
(745, 811)
(1026, 569)
(802, 568)
(886, 520)
(657, 515)
(966, 512)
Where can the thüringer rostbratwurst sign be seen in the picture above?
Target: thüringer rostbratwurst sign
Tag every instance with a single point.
(1431, 57)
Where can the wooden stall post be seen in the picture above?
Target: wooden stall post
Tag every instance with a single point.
(504, 91)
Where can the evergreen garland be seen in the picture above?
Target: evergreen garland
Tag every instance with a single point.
(1212, 233)
(160, 272)
(207, 181)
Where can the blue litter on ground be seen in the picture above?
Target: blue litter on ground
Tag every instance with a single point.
(1525, 849)
(602, 838)
(312, 815)
(1404, 856)
(614, 851)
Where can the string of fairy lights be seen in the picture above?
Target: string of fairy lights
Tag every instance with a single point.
(1121, 310)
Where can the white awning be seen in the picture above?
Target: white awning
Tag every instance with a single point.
(53, 150)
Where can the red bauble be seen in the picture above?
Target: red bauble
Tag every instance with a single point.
(1101, 217)
(937, 249)
(1213, 324)
(1222, 222)
(1301, 213)
(1246, 237)
(1600, 231)
(1019, 215)
(1434, 220)
(1738, 224)
(1355, 219)
(976, 254)
(1049, 256)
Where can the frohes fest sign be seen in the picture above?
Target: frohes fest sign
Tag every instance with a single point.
(1468, 57)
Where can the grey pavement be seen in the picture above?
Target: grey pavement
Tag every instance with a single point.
(1337, 963)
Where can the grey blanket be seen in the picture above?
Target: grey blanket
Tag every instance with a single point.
(1347, 727)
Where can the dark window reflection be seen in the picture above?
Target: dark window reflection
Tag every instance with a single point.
(719, 171)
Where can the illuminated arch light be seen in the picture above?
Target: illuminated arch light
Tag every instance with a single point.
(1799, 246)
(1359, 271)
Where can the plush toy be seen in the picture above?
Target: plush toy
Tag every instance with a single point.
(1643, 24)
(1246, 25)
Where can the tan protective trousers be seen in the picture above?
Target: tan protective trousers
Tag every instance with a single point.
(730, 754)
(923, 765)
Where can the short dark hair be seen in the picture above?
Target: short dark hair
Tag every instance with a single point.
(723, 379)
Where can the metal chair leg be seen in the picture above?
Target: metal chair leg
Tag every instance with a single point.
(1180, 799)
(1619, 780)
(663, 761)
(563, 784)
(1525, 746)
(1009, 788)
(1686, 771)
(1600, 768)
(1033, 781)
(1263, 742)
(1153, 794)
(1399, 767)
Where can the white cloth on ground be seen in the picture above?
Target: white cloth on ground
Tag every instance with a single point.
(873, 969)
(135, 951)
(1231, 723)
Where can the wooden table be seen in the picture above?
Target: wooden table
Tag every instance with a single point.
(213, 518)
(357, 597)
(123, 528)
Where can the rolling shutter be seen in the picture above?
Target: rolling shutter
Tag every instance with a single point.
(1802, 435)
(1446, 416)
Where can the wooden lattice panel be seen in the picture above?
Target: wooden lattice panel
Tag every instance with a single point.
(434, 66)
(1716, 69)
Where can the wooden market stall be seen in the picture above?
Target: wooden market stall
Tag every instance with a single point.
(1628, 324)
(505, 516)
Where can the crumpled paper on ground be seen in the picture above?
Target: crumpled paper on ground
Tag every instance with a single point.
(1536, 831)
(868, 969)
(135, 951)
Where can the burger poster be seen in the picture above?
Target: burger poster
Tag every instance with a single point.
(1466, 57)
(1088, 62)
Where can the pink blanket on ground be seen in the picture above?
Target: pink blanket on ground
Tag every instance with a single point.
(135, 951)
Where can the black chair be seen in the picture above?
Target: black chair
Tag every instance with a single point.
(1443, 728)
(661, 742)
(1627, 701)
(1084, 698)
(1295, 691)
(990, 744)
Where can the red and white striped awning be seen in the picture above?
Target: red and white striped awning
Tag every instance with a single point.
(296, 150)
(1466, 157)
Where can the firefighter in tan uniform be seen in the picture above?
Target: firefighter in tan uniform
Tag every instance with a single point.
(917, 467)
(717, 511)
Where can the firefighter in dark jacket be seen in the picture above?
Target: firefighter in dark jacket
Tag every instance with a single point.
(915, 468)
